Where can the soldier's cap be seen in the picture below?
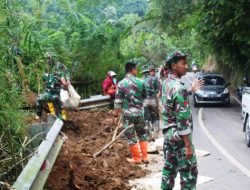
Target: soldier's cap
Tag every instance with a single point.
(174, 57)
(152, 68)
(132, 62)
(145, 69)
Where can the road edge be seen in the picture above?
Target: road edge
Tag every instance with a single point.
(219, 147)
(237, 100)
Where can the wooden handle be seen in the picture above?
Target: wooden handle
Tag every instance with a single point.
(112, 142)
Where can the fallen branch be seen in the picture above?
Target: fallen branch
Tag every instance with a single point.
(112, 142)
(72, 183)
(116, 129)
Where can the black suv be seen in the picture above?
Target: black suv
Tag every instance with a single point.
(214, 91)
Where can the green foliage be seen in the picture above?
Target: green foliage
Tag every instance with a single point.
(94, 36)
(202, 28)
(224, 26)
(175, 23)
(12, 129)
(151, 46)
(83, 34)
(172, 13)
(168, 26)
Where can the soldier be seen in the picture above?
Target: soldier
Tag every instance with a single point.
(162, 75)
(152, 70)
(177, 126)
(151, 112)
(129, 102)
(58, 67)
(53, 82)
(63, 71)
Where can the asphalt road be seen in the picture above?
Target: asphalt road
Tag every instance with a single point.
(218, 130)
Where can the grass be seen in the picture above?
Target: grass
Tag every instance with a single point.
(14, 143)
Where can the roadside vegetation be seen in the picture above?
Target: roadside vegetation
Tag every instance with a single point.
(92, 37)
(12, 129)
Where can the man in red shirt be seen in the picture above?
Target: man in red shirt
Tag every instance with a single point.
(109, 84)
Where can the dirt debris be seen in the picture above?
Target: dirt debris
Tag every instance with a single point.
(75, 168)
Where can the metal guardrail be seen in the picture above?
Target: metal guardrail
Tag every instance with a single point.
(36, 172)
(95, 102)
(95, 99)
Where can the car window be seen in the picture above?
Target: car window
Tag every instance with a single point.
(213, 80)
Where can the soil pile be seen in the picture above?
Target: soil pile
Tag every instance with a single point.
(75, 167)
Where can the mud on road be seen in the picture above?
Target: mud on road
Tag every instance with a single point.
(75, 167)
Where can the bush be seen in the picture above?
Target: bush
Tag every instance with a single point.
(12, 130)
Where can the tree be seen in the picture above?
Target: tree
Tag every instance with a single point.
(224, 26)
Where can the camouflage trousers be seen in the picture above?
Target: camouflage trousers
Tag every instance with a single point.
(47, 97)
(175, 161)
(139, 129)
(151, 112)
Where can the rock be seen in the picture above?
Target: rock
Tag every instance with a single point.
(105, 164)
(152, 148)
(107, 121)
(118, 146)
(117, 156)
(106, 152)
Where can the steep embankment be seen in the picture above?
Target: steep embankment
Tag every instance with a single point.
(232, 75)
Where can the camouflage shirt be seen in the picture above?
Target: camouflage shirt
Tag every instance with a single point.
(151, 84)
(52, 82)
(61, 71)
(175, 105)
(130, 95)
(53, 78)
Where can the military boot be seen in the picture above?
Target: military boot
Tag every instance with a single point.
(144, 151)
(136, 156)
(64, 114)
(51, 108)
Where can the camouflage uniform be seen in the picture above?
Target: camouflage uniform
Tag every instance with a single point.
(177, 121)
(61, 70)
(129, 97)
(52, 90)
(150, 103)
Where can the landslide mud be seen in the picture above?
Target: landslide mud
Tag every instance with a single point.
(75, 167)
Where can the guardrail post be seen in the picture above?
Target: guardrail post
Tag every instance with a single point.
(31, 170)
(42, 176)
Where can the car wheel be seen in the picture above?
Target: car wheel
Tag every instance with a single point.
(227, 104)
(195, 103)
(247, 132)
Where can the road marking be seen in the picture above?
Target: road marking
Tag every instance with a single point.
(235, 162)
(153, 182)
(237, 100)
